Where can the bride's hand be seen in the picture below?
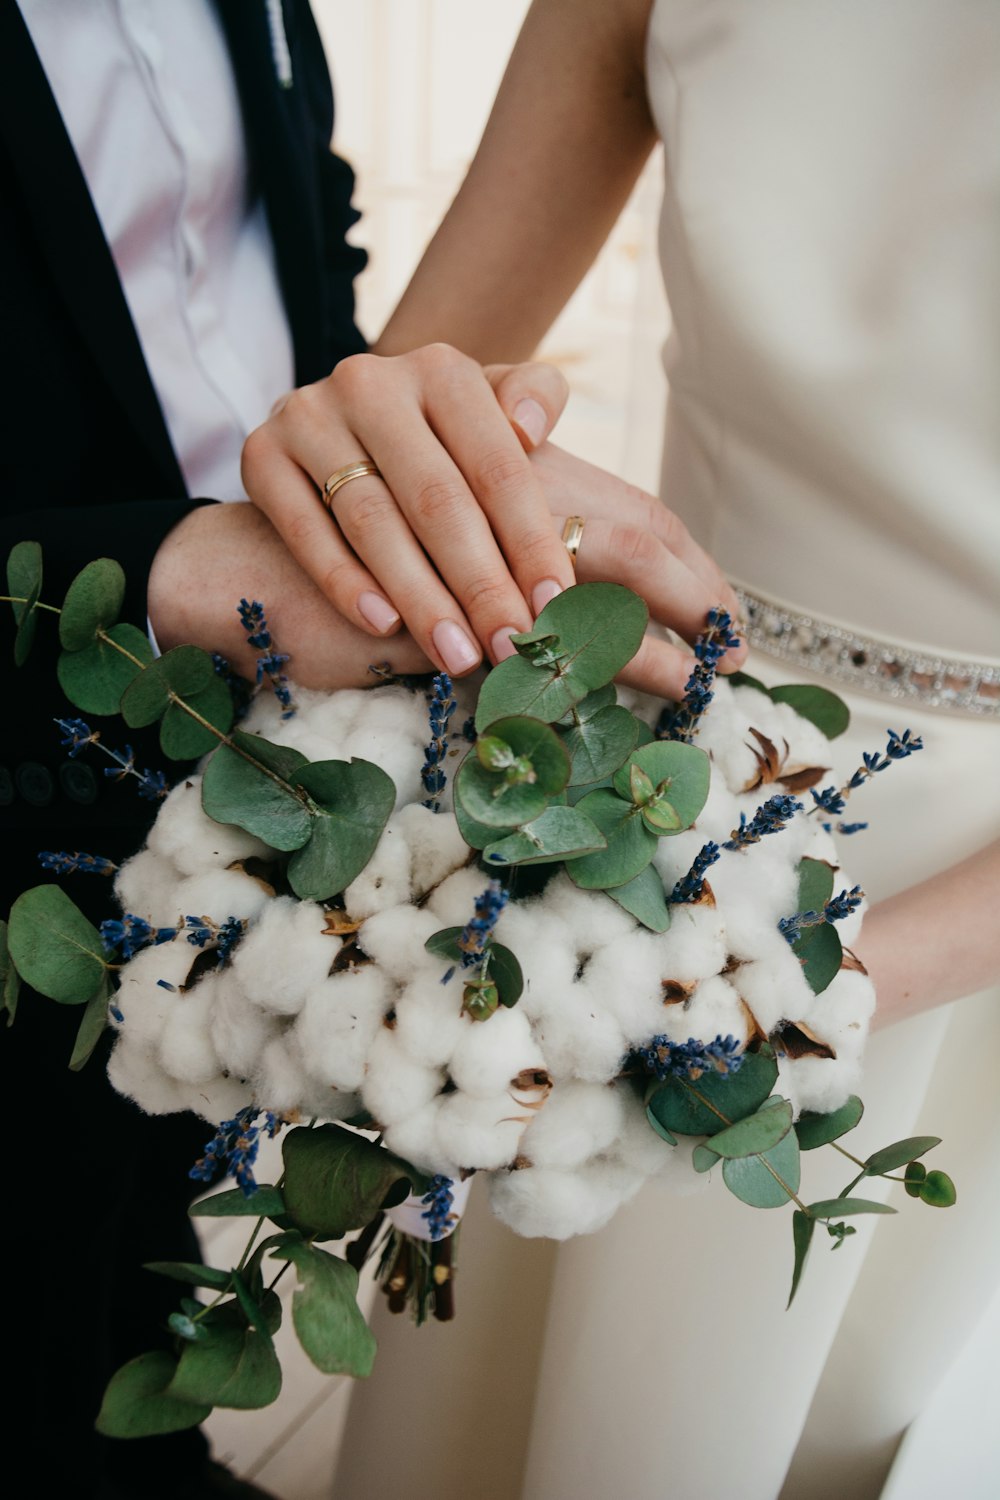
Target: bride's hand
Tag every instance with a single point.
(629, 537)
(452, 538)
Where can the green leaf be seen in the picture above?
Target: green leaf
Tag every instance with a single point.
(599, 628)
(24, 579)
(254, 1314)
(829, 713)
(659, 1127)
(815, 885)
(95, 678)
(898, 1154)
(91, 1028)
(191, 1273)
(476, 835)
(139, 1403)
(351, 804)
(590, 706)
(10, 979)
(630, 845)
(843, 1208)
(820, 953)
(802, 1233)
(558, 833)
(336, 1180)
(703, 1158)
(328, 1321)
(265, 1203)
(598, 745)
(93, 602)
(184, 671)
(645, 899)
(532, 740)
(755, 1133)
(743, 679)
(494, 803)
(234, 1366)
(684, 770)
(708, 1104)
(913, 1177)
(55, 948)
(818, 1130)
(182, 737)
(754, 1179)
(504, 968)
(236, 791)
(938, 1190)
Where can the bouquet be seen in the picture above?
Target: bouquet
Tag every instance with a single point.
(527, 928)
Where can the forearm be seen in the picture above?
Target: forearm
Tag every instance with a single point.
(566, 140)
(936, 941)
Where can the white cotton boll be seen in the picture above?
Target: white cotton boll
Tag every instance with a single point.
(819, 1084)
(392, 735)
(142, 1000)
(219, 1099)
(134, 1070)
(627, 977)
(842, 1012)
(146, 885)
(186, 1050)
(807, 745)
(184, 833)
(578, 1037)
(239, 1030)
(775, 988)
(338, 1023)
(481, 1133)
(715, 1009)
(219, 894)
(285, 955)
(578, 1121)
(694, 945)
(540, 1202)
(395, 1085)
(436, 846)
(415, 1139)
(585, 919)
(430, 1021)
(277, 1078)
(395, 940)
(454, 901)
(385, 880)
(490, 1054)
(642, 1151)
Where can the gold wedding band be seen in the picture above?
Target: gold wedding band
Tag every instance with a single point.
(345, 475)
(572, 534)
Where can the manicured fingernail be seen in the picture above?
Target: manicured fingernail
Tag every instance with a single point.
(457, 652)
(377, 611)
(543, 592)
(531, 419)
(500, 644)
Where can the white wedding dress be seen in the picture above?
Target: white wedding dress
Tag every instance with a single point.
(830, 243)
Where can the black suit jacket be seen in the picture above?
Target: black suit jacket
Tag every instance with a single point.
(86, 463)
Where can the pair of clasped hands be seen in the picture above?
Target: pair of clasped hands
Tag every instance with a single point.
(438, 558)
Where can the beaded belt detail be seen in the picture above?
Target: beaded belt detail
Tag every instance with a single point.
(907, 675)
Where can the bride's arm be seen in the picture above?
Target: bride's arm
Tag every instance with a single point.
(568, 135)
(936, 941)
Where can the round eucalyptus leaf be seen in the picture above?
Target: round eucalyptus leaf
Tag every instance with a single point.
(183, 672)
(139, 1403)
(536, 742)
(240, 791)
(630, 845)
(329, 1323)
(558, 833)
(743, 679)
(757, 1132)
(24, 581)
(181, 735)
(53, 946)
(351, 804)
(593, 703)
(913, 1177)
(336, 1180)
(93, 602)
(233, 1366)
(491, 801)
(505, 972)
(706, 1105)
(818, 1130)
(938, 1190)
(820, 952)
(95, 678)
(829, 713)
(815, 884)
(703, 1158)
(755, 1179)
(476, 835)
(599, 744)
(683, 771)
(645, 899)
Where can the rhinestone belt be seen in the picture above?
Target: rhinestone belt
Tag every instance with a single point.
(870, 665)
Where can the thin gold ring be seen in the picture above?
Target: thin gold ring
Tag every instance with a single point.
(344, 476)
(572, 535)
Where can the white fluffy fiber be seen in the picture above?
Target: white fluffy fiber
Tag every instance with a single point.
(313, 1019)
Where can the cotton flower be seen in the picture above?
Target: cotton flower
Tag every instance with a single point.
(489, 1054)
(395, 1085)
(556, 1205)
(338, 1023)
(285, 955)
(579, 1121)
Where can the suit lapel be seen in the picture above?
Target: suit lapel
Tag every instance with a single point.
(58, 204)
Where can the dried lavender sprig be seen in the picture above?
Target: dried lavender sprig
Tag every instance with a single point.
(667, 1059)
(129, 935)
(711, 645)
(691, 886)
(440, 1198)
(771, 817)
(441, 706)
(223, 936)
(64, 863)
(832, 799)
(477, 932)
(269, 661)
(835, 910)
(234, 1148)
(77, 735)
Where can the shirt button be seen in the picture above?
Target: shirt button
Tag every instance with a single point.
(35, 783)
(78, 782)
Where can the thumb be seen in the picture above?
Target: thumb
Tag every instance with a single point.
(532, 397)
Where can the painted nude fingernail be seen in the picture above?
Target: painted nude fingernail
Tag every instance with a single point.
(543, 592)
(456, 650)
(531, 418)
(377, 611)
(500, 644)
